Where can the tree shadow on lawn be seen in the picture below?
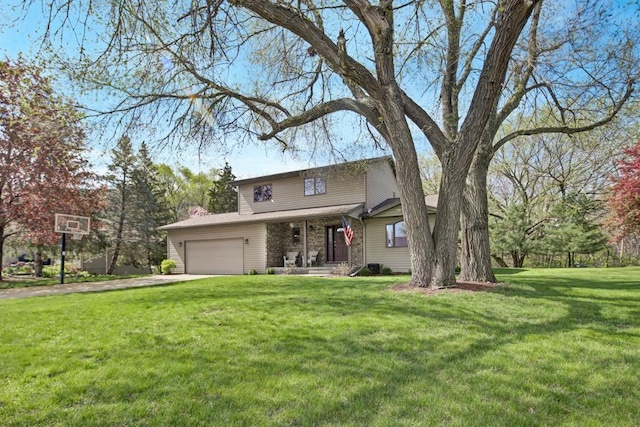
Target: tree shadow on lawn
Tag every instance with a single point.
(420, 357)
(355, 356)
(359, 371)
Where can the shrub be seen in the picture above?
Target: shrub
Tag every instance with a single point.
(10, 270)
(50, 271)
(82, 274)
(386, 271)
(365, 272)
(270, 270)
(252, 272)
(25, 269)
(167, 266)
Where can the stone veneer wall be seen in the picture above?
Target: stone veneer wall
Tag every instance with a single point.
(317, 240)
(357, 257)
(280, 240)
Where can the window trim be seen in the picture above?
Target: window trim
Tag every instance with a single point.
(315, 180)
(390, 241)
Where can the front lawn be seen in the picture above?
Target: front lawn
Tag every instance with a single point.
(558, 347)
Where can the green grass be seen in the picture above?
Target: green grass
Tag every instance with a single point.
(558, 347)
(28, 281)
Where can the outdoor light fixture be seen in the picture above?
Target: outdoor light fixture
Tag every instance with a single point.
(246, 241)
(179, 244)
(311, 228)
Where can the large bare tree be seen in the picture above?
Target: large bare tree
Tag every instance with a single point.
(265, 69)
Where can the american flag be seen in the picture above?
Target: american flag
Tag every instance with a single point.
(348, 231)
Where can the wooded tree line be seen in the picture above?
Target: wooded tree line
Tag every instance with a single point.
(551, 199)
(459, 75)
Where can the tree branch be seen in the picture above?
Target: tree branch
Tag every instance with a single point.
(568, 130)
(322, 110)
(308, 31)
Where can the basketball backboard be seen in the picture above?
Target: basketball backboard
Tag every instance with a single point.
(72, 224)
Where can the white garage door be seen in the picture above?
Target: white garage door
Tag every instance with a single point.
(224, 256)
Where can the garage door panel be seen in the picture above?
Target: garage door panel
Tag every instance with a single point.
(223, 256)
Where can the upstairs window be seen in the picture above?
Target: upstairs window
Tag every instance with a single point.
(314, 186)
(396, 235)
(262, 193)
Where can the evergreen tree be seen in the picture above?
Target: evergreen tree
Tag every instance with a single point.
(515, 232)
(223, 197)
(572, 229)
(120, 181)
(148, 212)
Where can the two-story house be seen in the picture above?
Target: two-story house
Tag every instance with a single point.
(301, 212)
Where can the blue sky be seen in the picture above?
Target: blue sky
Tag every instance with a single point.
(21, 37)
(248, 160)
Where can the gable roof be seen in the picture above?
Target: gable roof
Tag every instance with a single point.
(353, 210)
(430, 200)
(314, 171)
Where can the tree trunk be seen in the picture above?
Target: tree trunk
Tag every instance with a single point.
(517, 258)
(446, 229)
(116, 250)
(1, 249)
(475, 262)
(37, 262)
(414, 209)
(500, 261)
(149, 248)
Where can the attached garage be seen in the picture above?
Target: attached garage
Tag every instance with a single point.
(220, 256)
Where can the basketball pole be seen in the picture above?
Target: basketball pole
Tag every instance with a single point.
(63, 252)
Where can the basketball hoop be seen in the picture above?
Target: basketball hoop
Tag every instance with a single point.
(74, 225)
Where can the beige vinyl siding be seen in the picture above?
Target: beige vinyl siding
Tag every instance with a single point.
(288, 193)
(397, 259)
(397, 211)
(381, 184)
(254, 252)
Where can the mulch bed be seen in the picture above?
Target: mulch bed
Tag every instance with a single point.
(460, 287)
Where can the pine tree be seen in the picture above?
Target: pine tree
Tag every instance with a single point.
(149, 211)
(120, 182)
(223, 196)
(572, 229)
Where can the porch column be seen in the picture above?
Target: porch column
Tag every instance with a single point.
(304, 245)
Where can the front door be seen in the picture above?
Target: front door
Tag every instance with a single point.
(337, 250)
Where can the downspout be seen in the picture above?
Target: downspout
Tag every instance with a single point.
(365, 209)
(364, 242)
